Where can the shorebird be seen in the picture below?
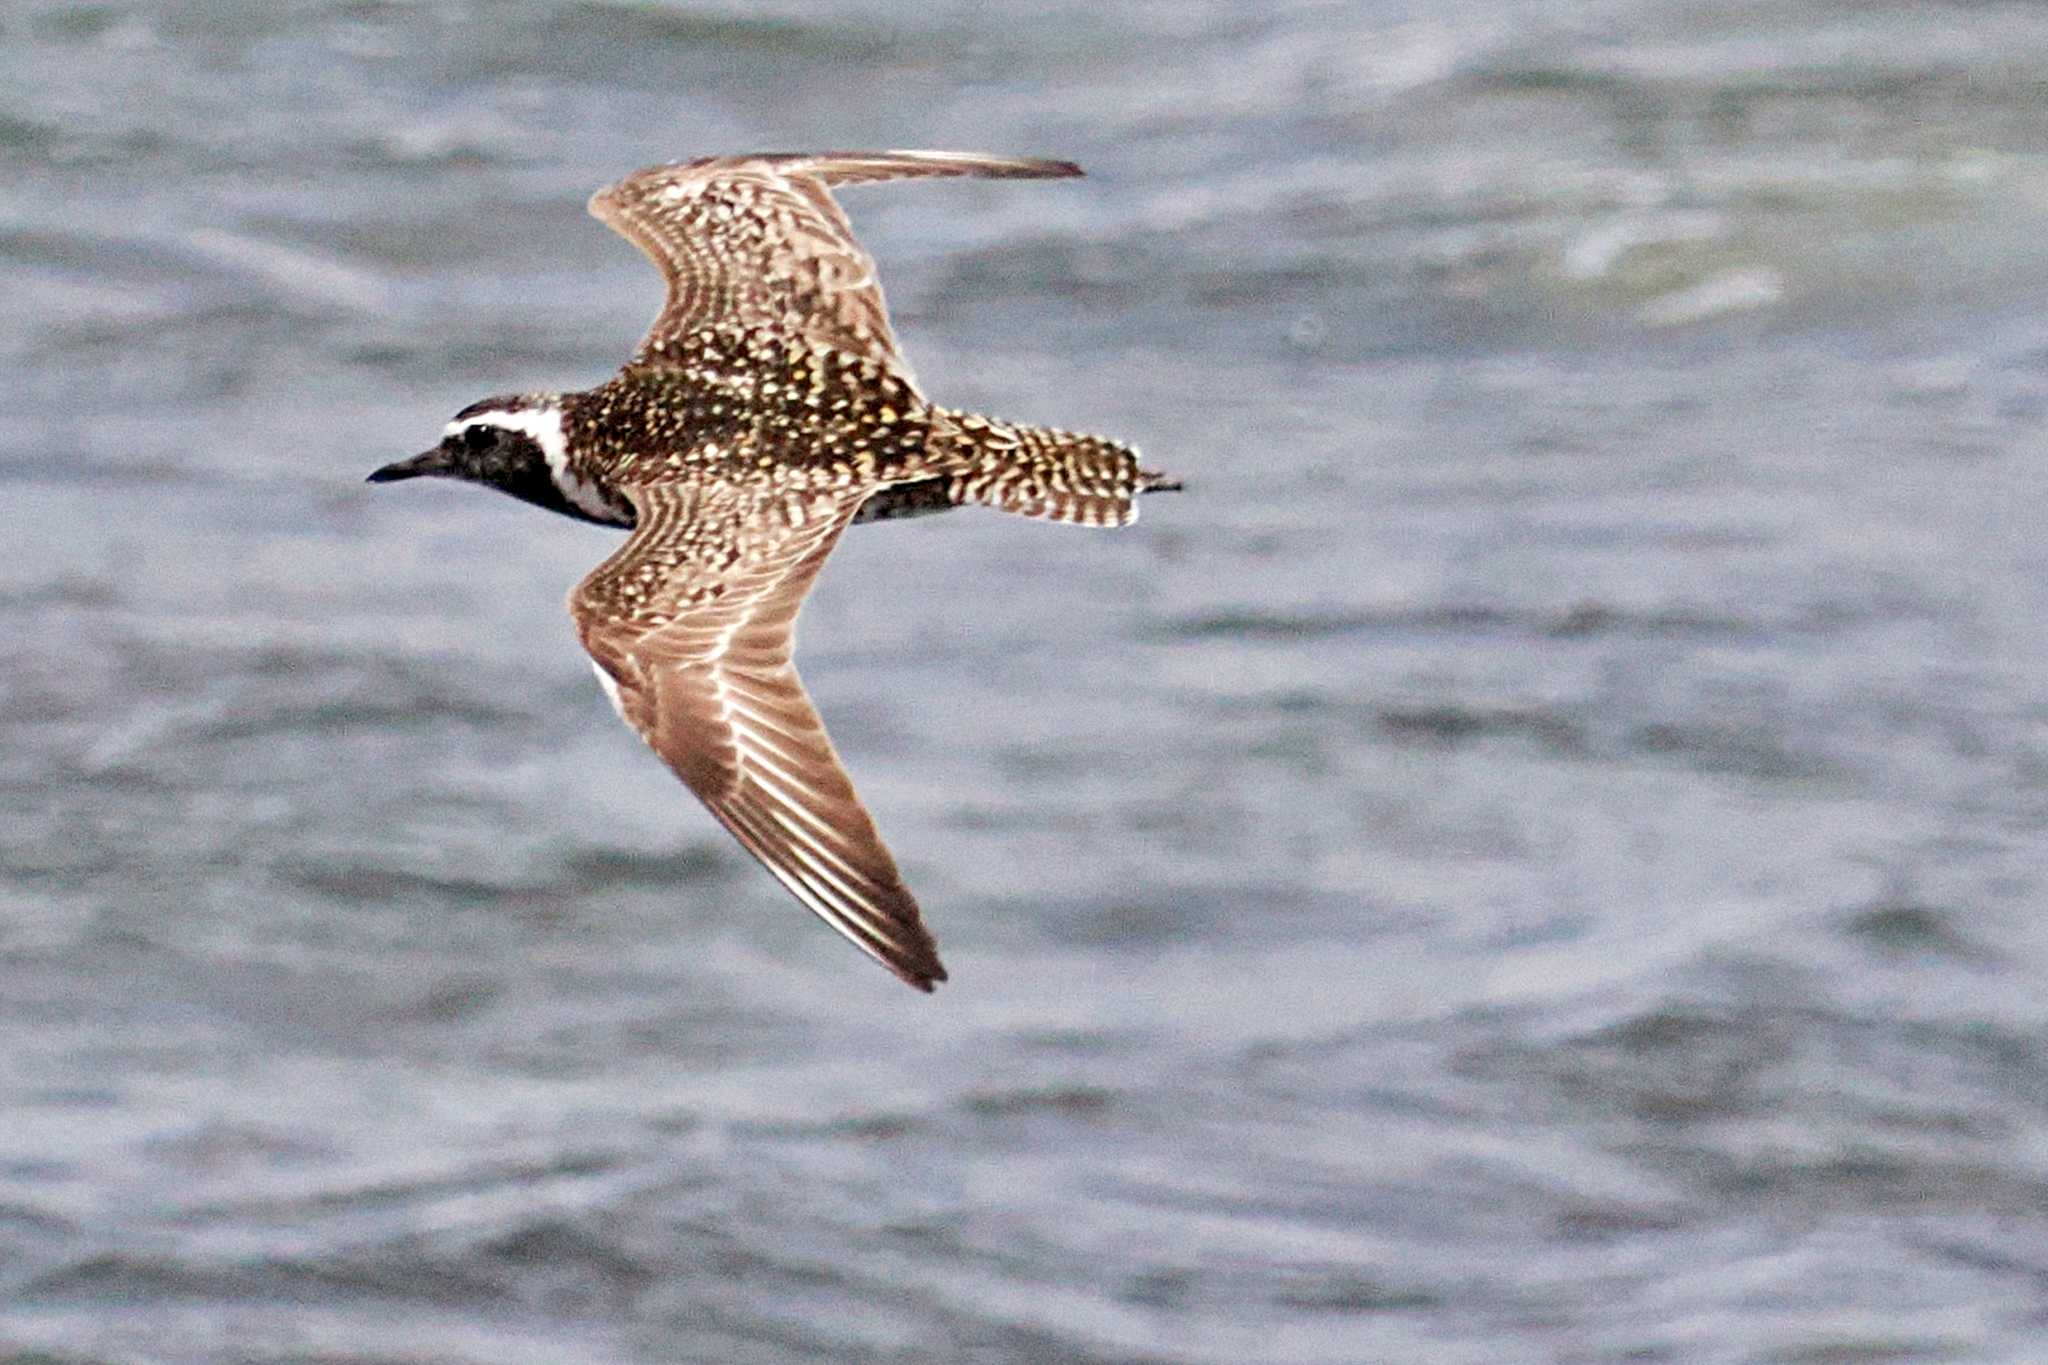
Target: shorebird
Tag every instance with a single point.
(766, 410)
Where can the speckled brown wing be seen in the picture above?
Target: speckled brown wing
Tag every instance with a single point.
(760, 241)
(691, 625)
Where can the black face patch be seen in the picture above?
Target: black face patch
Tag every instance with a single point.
(512, 462)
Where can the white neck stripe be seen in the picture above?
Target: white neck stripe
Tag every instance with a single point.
(544, 425)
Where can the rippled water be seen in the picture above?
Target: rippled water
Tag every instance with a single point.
(1536, 855)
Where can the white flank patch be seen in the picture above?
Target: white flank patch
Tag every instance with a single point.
(544, 425)
(611, 689)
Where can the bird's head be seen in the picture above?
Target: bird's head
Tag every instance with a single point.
(506, 442)
(517, 444)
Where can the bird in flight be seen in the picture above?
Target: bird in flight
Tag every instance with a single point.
(767, 409)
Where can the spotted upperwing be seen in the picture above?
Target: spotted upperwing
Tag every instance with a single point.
(691, 625)
(759, 240)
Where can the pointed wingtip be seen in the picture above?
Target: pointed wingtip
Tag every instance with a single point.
(917, 968)
(985, 164)
(1044, 168)
(918, 975)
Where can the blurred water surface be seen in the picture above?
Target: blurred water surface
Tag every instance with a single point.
(1537, 855)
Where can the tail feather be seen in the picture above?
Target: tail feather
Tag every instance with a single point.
(1040, 471)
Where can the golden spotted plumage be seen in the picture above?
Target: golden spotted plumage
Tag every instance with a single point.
(732, 403)
(767, 409)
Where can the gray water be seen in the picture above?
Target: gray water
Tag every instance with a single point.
(1537, 855)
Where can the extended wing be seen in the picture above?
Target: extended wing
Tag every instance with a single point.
(691, 625)
(759, 240)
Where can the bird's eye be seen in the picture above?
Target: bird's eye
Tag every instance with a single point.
(477, 438)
